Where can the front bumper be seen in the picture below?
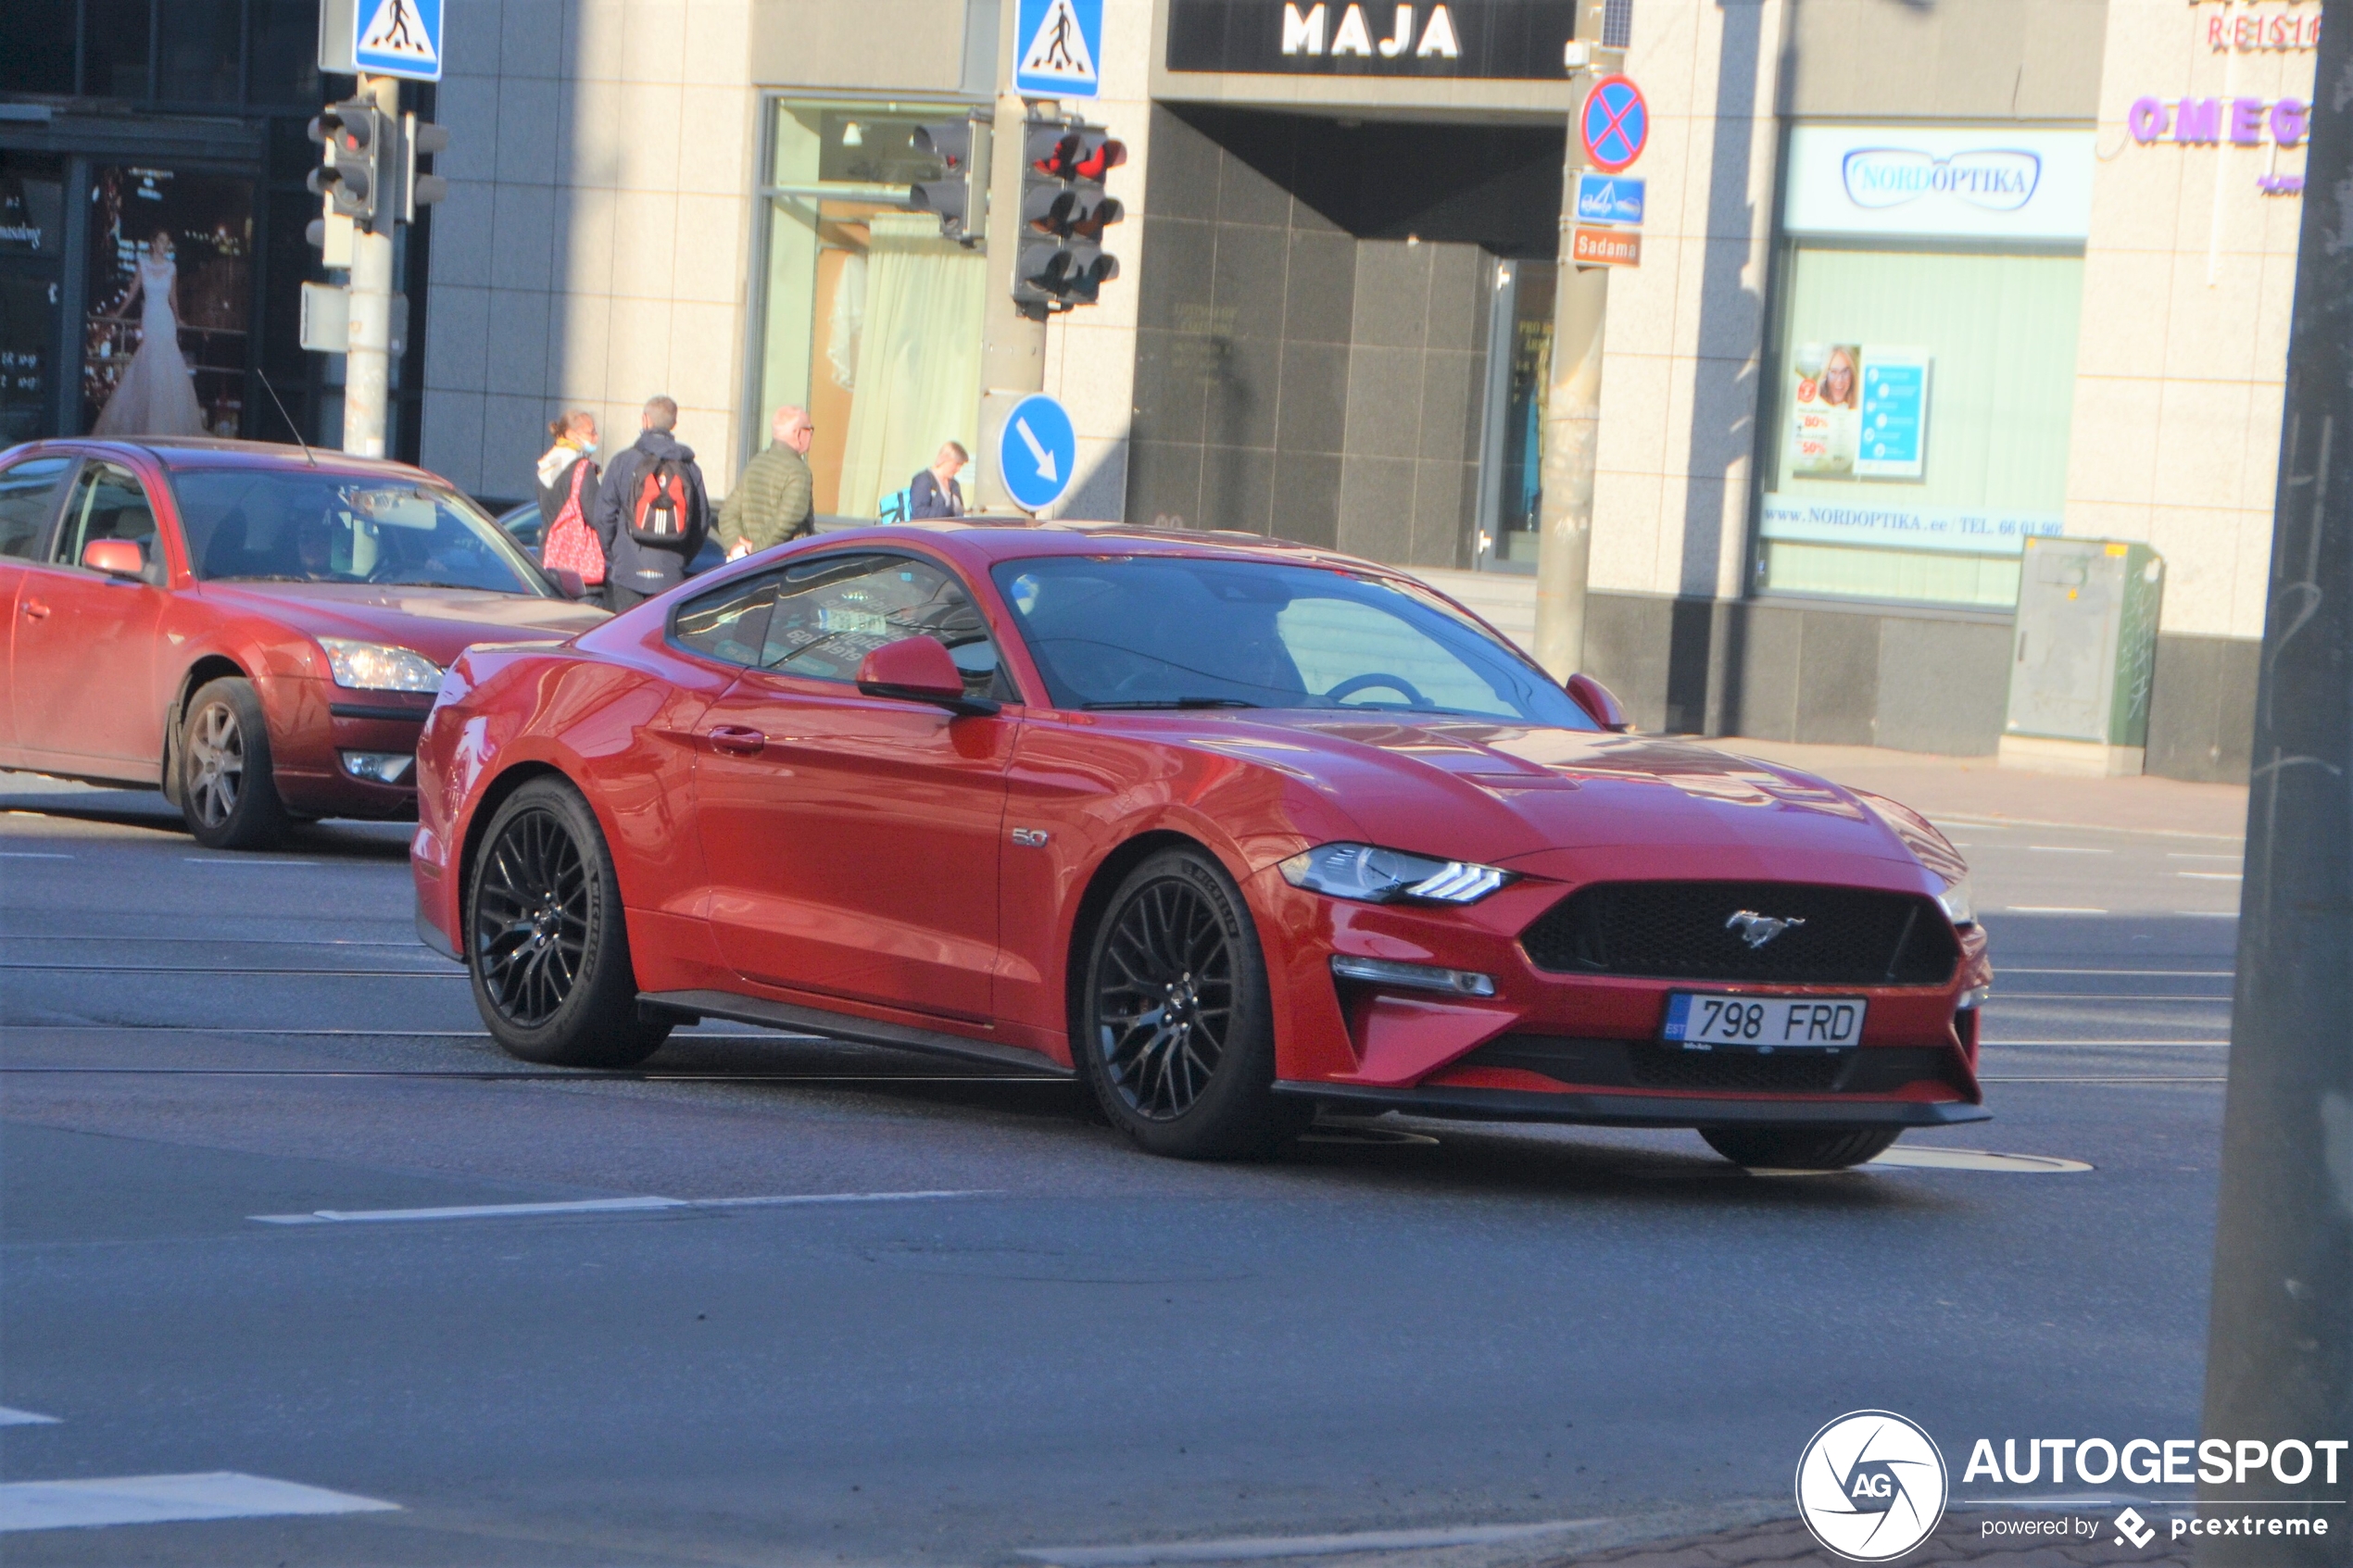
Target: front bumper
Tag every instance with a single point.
(1637, 1110)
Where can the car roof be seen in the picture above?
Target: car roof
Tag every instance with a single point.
(183, 452)
(986, 541)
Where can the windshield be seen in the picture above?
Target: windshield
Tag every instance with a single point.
(1145, 632)
(269, 525)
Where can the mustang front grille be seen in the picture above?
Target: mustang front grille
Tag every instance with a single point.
(1811, 935)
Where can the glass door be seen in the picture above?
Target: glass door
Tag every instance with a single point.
(1519, 359)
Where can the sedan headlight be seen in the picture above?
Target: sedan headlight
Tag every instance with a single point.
(1385, 876)
(1959, 901)
(373, 666)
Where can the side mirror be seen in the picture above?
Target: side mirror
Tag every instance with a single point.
(568, 583)
(116, 557)
(918, 670)
(1598, 703)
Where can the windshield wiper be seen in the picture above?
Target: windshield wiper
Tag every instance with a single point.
(1176, 702)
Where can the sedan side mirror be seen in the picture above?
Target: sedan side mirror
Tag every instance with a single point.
(918, 670)
(116, 557)
(1599, 704)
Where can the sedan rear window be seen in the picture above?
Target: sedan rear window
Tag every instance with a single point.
(1144, 631)
(269, 525)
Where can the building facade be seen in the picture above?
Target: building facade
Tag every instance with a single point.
(1917, 283)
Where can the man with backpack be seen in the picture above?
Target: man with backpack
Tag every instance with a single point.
(651, 513)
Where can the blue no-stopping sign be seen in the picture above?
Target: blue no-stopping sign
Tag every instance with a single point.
(1615, 125)
(1036, 453)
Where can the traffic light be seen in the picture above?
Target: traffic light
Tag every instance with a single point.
(352, 169)
(1064, 211)
(962, 198)
(419, 139)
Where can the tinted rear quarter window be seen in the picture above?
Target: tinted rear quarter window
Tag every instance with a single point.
(28, 500)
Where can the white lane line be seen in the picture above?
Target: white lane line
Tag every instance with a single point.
(2132, 1078)
(29, 854)
(598, 1205)
(24, 1418)
(1923, 1157)
(239, 860)
(2136, 973)
(2222, 1044)
(156, 1499)
(2049, 910)
(1246, 1548)
(2066, 849)
(2196, 855)
(1969, 822)
(2213, 876)
(2001, 997)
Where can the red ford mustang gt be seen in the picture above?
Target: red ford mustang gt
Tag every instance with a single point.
(1229, 829)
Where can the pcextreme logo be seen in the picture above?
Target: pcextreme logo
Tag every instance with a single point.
(1872, 1486)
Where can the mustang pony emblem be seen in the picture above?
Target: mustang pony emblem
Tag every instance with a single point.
(1756, 929)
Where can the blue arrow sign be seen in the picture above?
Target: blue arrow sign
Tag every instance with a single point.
(1608, 198)
(398, 38)
(1036, 453)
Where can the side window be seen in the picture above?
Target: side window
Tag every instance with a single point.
(106, 503)
(729, 625)
(28, 499)
(832, 612)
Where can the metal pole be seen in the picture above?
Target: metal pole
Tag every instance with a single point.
(1012, 344)
(367, 376)
(2280, 1353)
(1572, 401)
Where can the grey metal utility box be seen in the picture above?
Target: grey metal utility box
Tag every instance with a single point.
(2085, 645)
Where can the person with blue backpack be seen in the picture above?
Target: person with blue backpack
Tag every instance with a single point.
(933, 492)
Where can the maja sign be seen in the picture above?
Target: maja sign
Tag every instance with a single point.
(1483, 39)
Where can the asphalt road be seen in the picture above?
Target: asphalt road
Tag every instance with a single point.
(1025, 1342)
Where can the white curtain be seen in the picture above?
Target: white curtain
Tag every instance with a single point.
(918, 374)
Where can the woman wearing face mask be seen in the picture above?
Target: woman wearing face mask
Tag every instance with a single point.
(566, 476)
(156, 395)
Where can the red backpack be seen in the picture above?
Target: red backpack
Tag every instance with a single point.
(658, 514)
(572, 544)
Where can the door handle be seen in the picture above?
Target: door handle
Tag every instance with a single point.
(36, 609)
(735, 740)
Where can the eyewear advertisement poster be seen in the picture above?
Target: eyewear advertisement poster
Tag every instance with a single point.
(171, 291)
(1858, 411)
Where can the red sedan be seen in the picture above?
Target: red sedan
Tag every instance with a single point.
(256, 629)
(1232, 829)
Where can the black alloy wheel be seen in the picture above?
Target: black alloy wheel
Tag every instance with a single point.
(228, 797)
(1178, 1034)
(546, 942)
(1800, 1148)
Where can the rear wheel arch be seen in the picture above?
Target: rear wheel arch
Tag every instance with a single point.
(494, 795)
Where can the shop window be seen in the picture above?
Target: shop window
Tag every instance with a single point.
(872, 320)
(1521, 338)
(1918, 395)
(199, 59)
(170, 292)
(284, 54)
(114, 49)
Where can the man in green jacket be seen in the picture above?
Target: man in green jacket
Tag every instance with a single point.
(770, 503)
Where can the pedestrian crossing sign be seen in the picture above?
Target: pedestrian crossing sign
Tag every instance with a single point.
(1060, 42)
(398, 38)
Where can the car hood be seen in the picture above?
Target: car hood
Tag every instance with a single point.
(1516, 794)
(438, 622)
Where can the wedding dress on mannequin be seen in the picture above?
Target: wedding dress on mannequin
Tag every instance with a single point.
(157, 395)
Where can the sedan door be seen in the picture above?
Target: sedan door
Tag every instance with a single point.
(28, 506)
(83, 667)
(853, 840)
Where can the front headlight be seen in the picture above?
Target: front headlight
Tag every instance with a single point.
(372, 667)
(1384, 876)
(1959, 901)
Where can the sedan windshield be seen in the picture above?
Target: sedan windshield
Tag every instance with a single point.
(275, 525)
(1172, 632)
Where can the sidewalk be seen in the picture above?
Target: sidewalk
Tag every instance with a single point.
(1974, 787)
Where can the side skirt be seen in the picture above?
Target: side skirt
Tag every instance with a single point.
(865, 1031)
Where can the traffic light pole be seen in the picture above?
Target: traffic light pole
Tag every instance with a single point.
(2278, 1361)
(367, 377)
(1013, 344)
(1572, 404)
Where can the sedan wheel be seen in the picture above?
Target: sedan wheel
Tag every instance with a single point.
(547, 944)
(227, 796)
(1178, 1037)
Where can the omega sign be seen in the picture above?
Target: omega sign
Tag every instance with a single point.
(1491, 39)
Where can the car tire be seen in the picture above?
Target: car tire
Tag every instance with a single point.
(228, 794)
(546, 943)
(1800, 1148)
(1176, 1029)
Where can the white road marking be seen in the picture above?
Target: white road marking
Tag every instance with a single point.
(1923, 1158)
(239, 860)
(2207, 914)
(2066, 849)
(29, 854)
(2049, 910)
(2013, 1044)
(24, 1418)
(2132, 1078)
(2196, 855)
(2214, 876)
(1248, 1548)
(2136, 974)
(155, 1499)
(595, 1205)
